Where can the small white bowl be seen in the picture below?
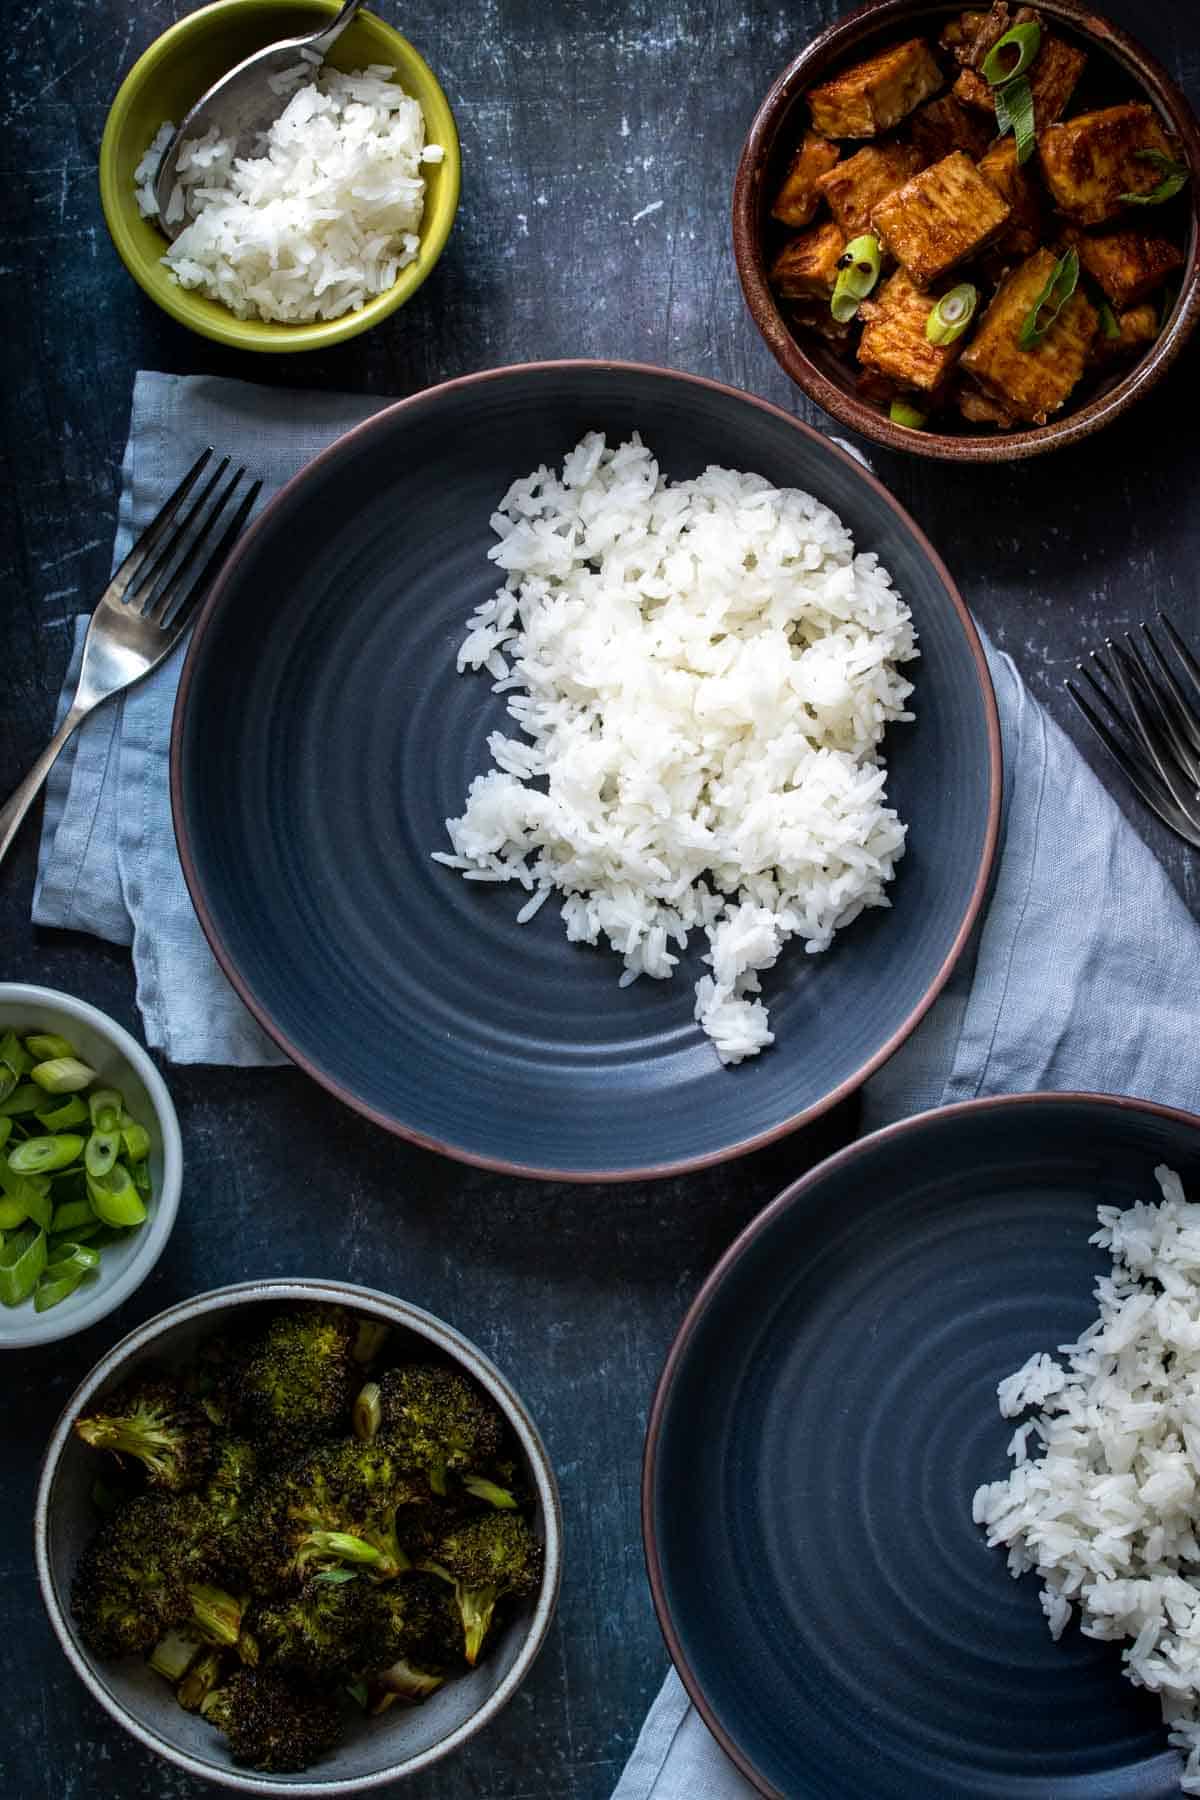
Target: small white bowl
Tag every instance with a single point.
(121, 1063)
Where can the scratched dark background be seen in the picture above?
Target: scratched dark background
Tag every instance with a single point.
(599, 142)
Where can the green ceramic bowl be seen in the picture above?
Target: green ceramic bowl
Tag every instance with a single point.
(171, 77)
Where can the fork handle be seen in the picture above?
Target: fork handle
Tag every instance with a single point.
(19, 803)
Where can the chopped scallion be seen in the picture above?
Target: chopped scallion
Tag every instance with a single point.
(63, 1075)
(858, 271)
(1012, 54)
(902, 413)
(1014, 112)
(1175, 176)
(1060, 285)
(952, 314)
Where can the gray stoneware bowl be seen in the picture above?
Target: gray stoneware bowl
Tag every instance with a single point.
(375, 1751)
(122, 1063)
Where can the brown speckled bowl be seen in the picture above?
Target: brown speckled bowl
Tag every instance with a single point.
(814, 366)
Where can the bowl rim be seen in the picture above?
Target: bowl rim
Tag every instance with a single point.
(894, 1134)
(398, 1312)
(853, 33)
(65, 1321)
(273, 336)
(382, 421)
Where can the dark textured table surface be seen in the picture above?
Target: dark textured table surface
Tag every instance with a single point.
(599, 142)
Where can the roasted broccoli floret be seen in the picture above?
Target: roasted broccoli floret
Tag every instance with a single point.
(230, 1485)
(324, 1633)
(296, 1384)
(272, 1724)
(486, 1559)
(437, 1422)
(337, 1505)
(148, 1569)
(169, 1433)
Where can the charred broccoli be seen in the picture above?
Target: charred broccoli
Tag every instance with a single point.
(168, 1433)
(437, 1422)
(296, 1384)
(487, 1559)
(271, 1723)
(272, 1543)
(148, 1569)
(337, 1505)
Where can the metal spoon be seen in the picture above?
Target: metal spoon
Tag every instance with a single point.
(241, 104)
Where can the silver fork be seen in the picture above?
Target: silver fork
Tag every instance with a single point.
(1153, 730)
(145, 608)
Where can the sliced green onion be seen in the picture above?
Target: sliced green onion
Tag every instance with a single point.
(1014, 112)
(367, 1415)
(72, 1258)
(491, 1491)
(1060, 285)
(39, 1155)
(100, 1152)
(61, 1118)
(26, 1097)
(902, 413)
(62, 1075)
(14, 1057)
(1109, 323)
(44, 1046)
(1175, 176)
(24, 1197)
(141, 1177)
(136, 1140)
(71, 1213)
(105, 1107)
(335, 1577)
(115, 1200)
(1026, 40)
(858, 271)
(174, 1655)
(52, 1293)
(22, 1259)
(952, 314)
(88, 1232)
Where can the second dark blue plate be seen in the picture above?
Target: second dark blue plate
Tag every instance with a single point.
(825, 1416)
(322, 737)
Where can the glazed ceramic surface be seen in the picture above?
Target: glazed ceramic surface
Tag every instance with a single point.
(825, 1416)
(322, 737)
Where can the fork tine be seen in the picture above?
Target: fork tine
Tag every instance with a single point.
(1155, 796)
(167, 589)
(182, 610)
(149, 589)
(1172, 718)
(1144, 706)
(1184, 716)
(154, 532)
(1182, 652)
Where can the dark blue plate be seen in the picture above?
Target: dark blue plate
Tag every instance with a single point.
(322, 737)
(825, 1416)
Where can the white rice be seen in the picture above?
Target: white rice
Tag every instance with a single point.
(323, 217)
(1106, 1508)
(700, 674)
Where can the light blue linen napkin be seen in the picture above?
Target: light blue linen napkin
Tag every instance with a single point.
(1085, 975)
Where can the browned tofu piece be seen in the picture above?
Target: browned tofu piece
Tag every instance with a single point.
(855, 188)
(1023, 233)
(969, 37)
(1088, 162)
(980, 408)
(940, 217)
(814, 316)
(799, 197)
(945, 124)
(1126, 264)
(1138, 328)
(893, 342)
(1031, 384)
(1052, 78)
(806, 267)
(972, 90)
(876, 94)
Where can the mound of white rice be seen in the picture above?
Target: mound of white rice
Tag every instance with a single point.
(322, 218)
(1106, 1512)
(701, 673)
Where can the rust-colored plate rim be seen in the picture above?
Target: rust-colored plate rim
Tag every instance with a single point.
(381, 422)
(888, 1134)
(850, 34)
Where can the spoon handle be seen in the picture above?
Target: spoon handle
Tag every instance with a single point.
(324, 41)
